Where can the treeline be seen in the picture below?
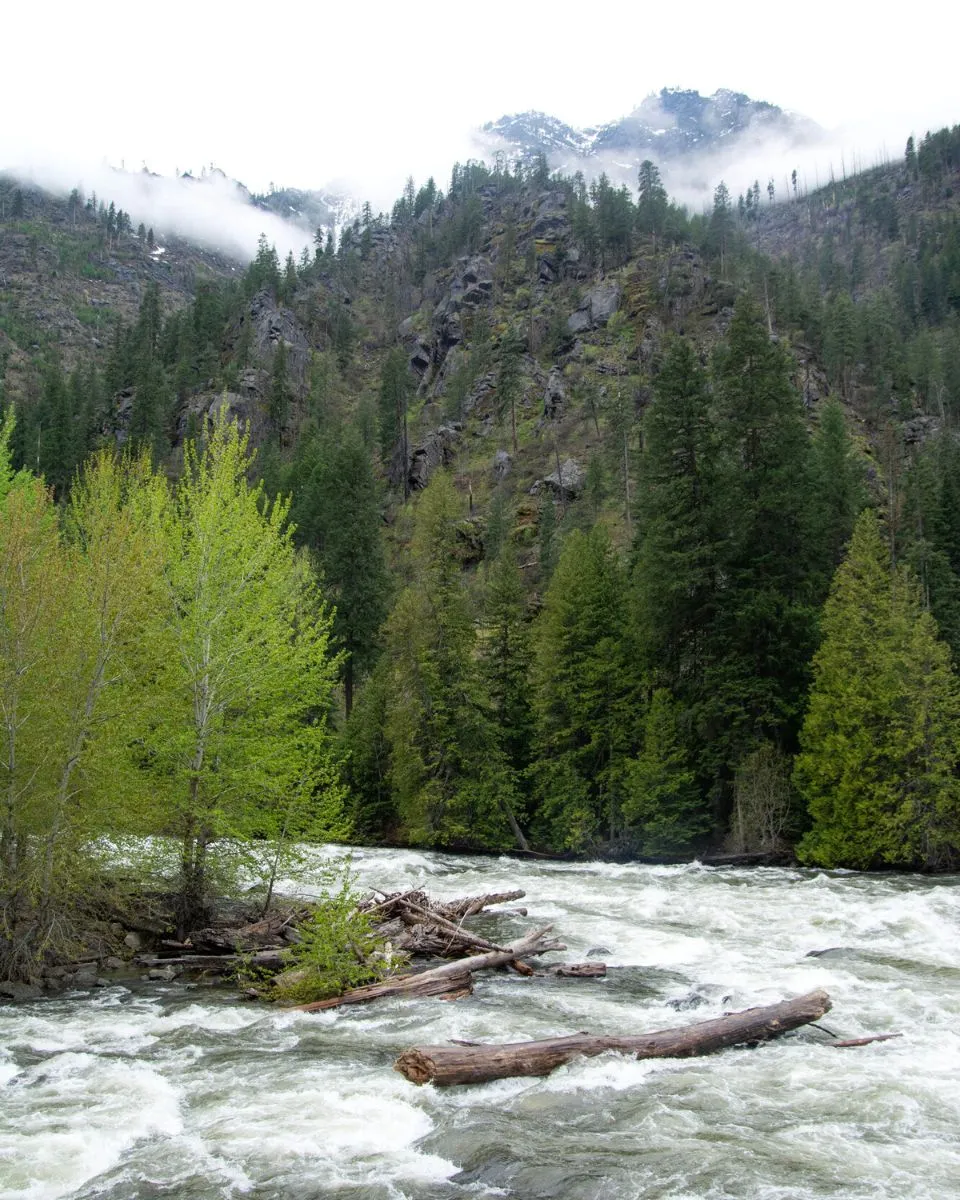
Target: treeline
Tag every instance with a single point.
(166, 671)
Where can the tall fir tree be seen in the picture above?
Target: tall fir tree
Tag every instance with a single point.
(450, 778)
(337, 513)
(881, 738)
(583, 705)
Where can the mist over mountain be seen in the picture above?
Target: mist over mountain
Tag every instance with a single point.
(695, 140)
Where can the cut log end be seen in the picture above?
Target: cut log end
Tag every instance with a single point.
(416, 1066)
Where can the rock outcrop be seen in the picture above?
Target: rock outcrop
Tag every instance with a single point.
(596, 308)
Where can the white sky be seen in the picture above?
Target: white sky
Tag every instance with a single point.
(300, 93)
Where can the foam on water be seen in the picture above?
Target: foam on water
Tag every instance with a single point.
(182, 1091)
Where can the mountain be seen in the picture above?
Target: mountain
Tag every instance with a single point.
(667, 125)
(308, 208)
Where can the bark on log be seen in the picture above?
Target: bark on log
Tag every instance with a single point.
(584, 970)
(449, 977)
(446, 1065)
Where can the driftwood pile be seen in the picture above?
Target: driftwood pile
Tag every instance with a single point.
(221, 949)
(416, 925)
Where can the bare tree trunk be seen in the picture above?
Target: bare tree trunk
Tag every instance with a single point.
(448, 1065)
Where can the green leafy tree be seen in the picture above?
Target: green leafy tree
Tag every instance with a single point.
(72, 605)
(241, 701)
(879, 744)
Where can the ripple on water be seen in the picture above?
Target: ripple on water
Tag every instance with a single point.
(182, 1093)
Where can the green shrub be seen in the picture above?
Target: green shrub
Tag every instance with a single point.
(338, 950)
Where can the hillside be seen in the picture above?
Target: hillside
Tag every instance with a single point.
(578, 468)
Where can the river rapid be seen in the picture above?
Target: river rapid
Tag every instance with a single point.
(179, 1090)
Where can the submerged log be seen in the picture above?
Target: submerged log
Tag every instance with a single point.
(441, 981)
(581, 970)
(447, 1065)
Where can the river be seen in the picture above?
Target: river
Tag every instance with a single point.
(178, 1090)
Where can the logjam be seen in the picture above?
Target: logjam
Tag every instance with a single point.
(448, 980)
(413, 923)
(447, 1065)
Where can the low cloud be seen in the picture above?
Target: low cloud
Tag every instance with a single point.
(211, 210)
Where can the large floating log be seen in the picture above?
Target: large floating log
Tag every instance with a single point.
(447, 1065)
(454, 977)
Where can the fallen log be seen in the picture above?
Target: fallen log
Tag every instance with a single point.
(270, 958)
(440, 981)
(447, 1065)
(582, 970)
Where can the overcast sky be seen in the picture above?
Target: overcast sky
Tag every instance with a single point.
(301, 93)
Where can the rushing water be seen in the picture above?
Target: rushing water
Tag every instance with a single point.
(180, 1091)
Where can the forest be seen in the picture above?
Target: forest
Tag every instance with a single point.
(537, 515)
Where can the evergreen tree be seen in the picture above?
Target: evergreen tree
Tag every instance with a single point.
(395, 389)
(763, 633)
(279, 389)
(336, 512)
(449, 775)
(581, 697)
(675, 569)
(652, 204)
(837, 491)
(880, 740)
(506, 657)
(663, 809)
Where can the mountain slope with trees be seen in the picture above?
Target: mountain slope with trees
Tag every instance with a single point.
(577, 469)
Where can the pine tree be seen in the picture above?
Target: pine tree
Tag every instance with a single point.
(652, 204)
(675, 570)
(837, 490)
(395, 389)
(506, 657)
(279, 389)
(880, 739)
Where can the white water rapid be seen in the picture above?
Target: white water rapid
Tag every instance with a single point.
(179, 1090)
